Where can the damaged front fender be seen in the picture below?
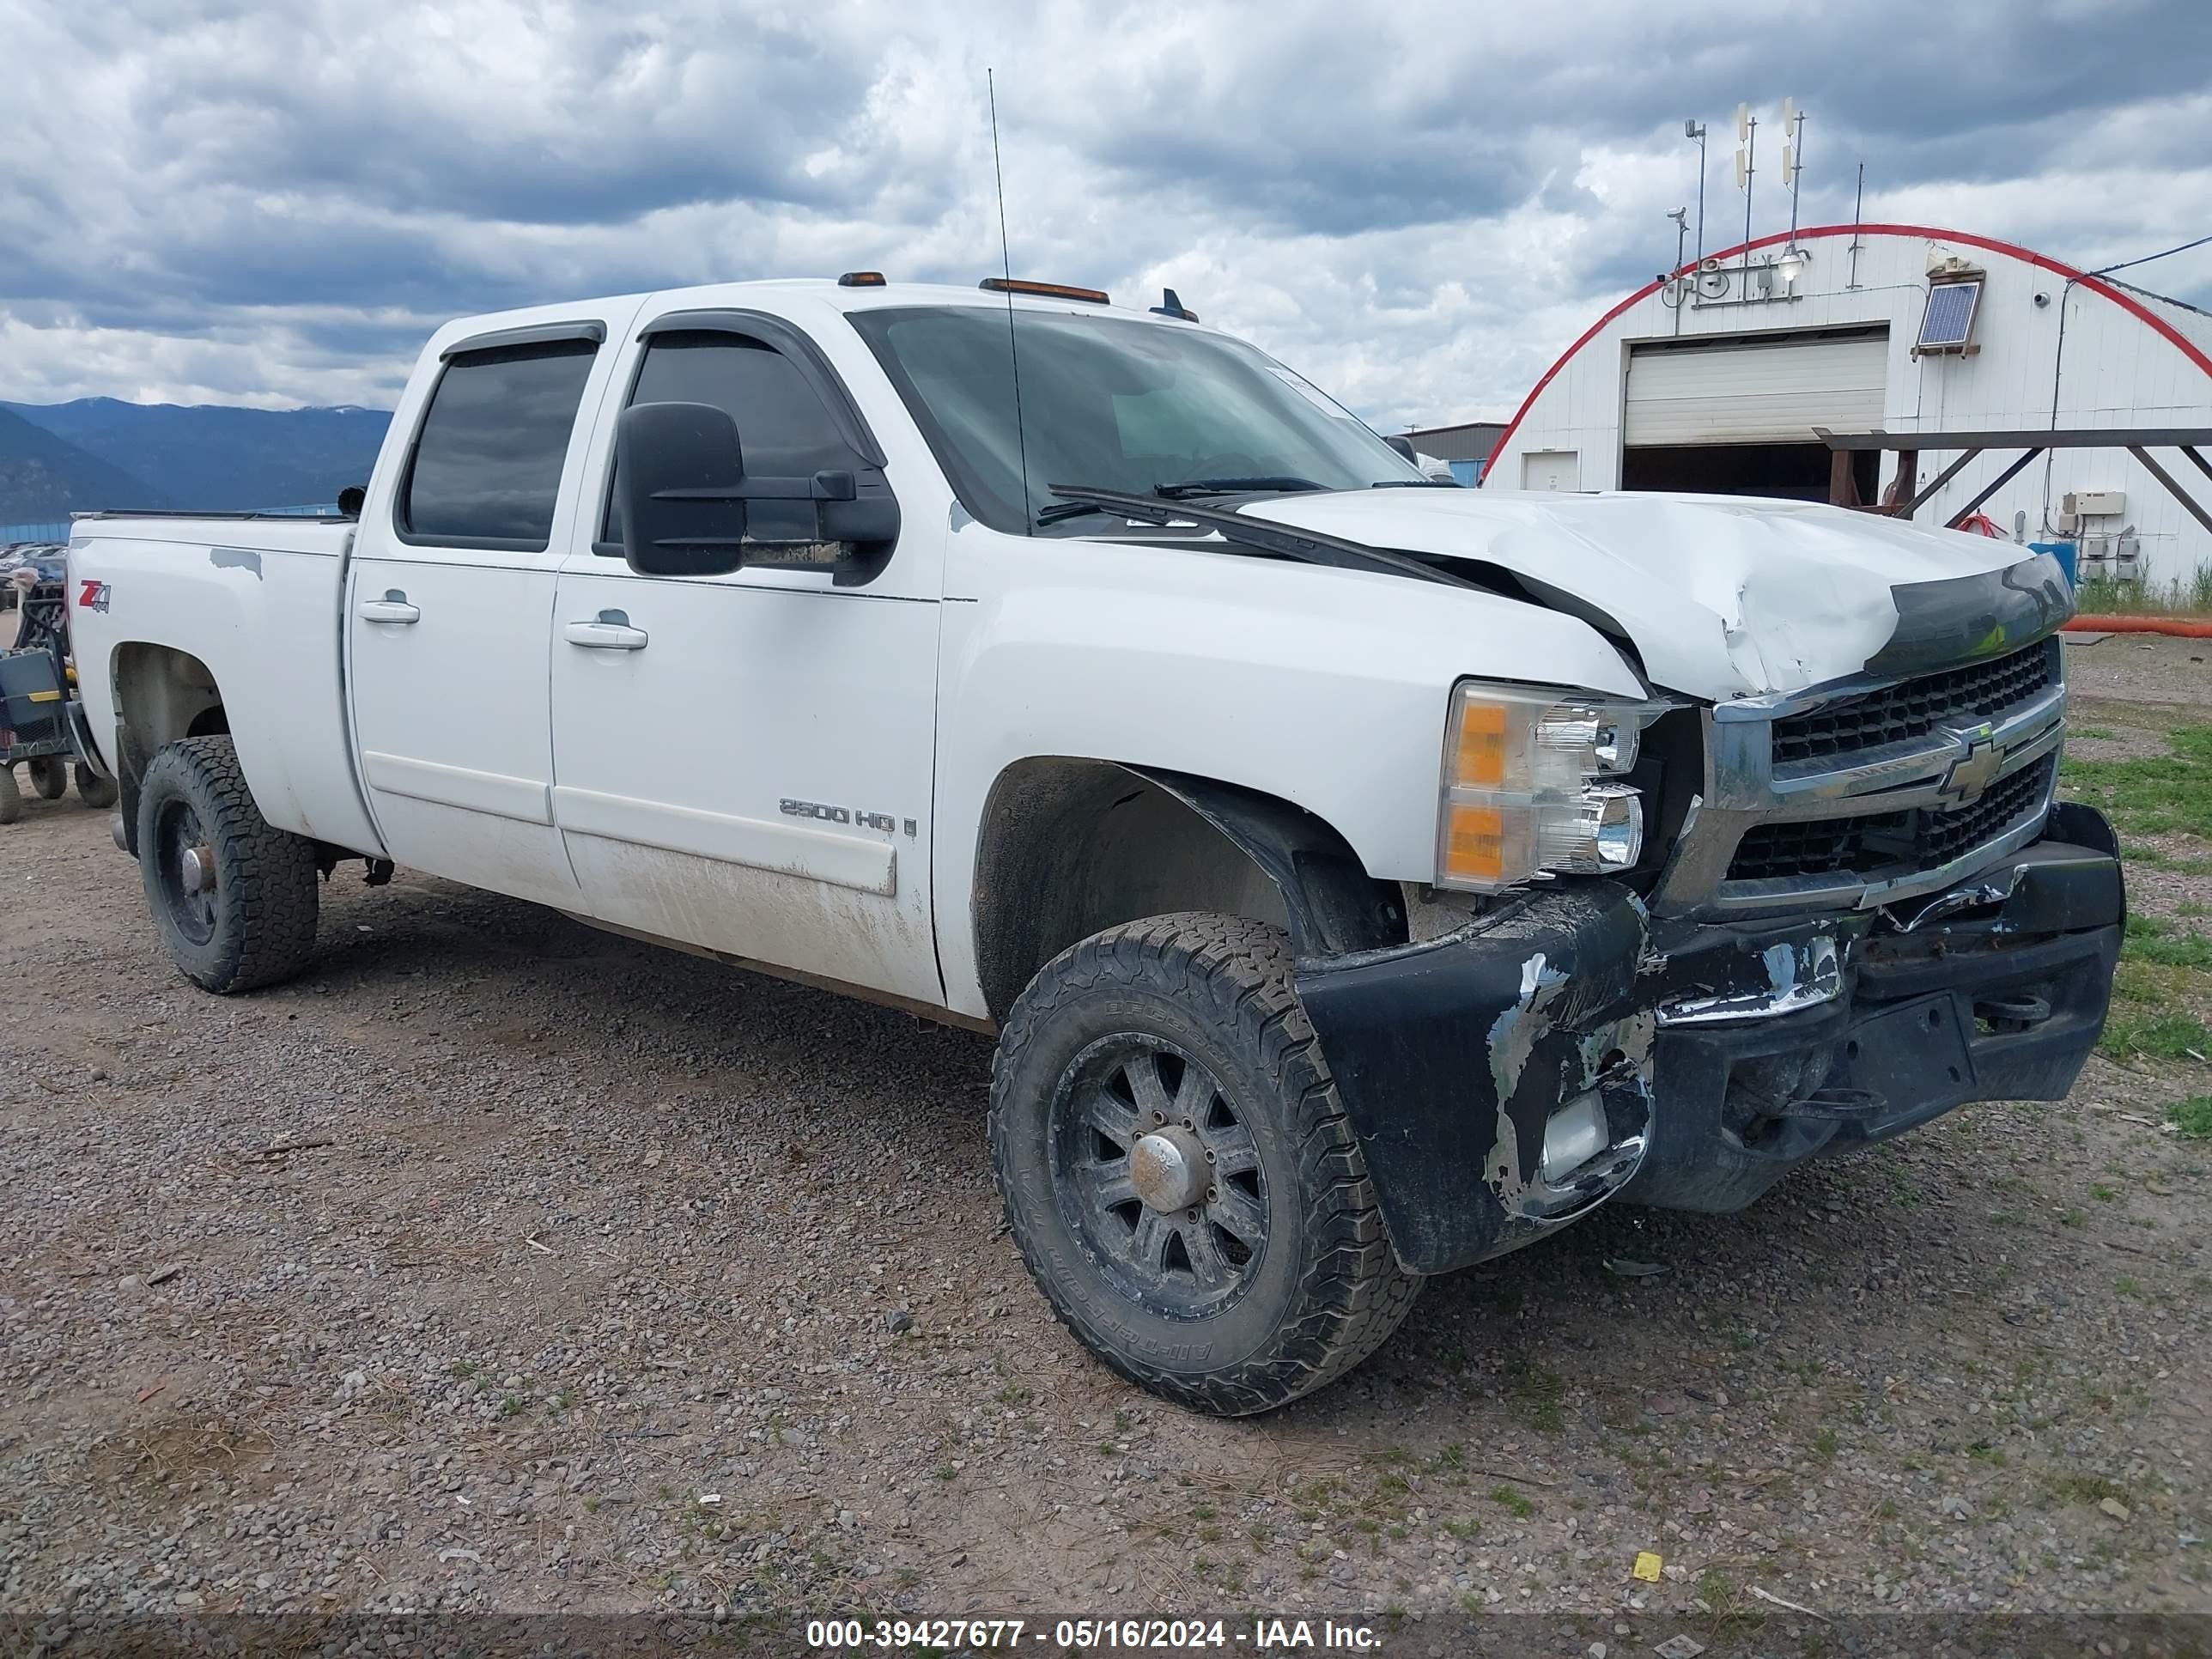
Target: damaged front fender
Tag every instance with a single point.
(1499, 1078)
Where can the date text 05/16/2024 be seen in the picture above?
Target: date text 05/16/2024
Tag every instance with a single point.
(1094, 1635)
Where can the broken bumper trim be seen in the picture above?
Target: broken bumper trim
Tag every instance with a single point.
(1721, 1055)
(2002, 999)
(1453, 1056)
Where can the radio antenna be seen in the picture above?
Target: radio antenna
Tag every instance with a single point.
(1006, 269)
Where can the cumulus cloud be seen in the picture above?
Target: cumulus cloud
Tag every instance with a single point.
(1418, 205)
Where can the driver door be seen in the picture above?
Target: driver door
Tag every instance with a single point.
(744, 762)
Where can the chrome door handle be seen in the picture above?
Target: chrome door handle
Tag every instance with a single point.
(391, 608)
(608, 631)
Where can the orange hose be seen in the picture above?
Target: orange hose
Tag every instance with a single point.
(2180, 626)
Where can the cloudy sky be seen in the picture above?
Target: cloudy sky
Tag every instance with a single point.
(1418, 205)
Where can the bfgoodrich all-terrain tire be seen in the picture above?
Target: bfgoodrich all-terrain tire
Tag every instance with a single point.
(1178, 1171)
(233, 899)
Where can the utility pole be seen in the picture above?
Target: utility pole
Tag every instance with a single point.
(1697, 130)
(1747, 166)
(1680, 216)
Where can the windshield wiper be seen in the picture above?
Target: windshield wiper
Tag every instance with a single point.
(1260, 534)
(1061, 511)
(1271, 484)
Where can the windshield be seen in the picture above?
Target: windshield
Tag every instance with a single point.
(1112, 403)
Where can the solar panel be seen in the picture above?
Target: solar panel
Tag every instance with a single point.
(1949, 318)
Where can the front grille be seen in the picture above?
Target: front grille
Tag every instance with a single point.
(1924, 839)
(1911, 710)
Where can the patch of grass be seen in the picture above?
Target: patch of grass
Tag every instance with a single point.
(462, 1370)
(2090, 1489)
(1506, 1499)
(512, 1405)
(2151, 939)
(1826, 1444)
(2147, 1016)
(2153, 795)
(2127, 1286)
(2193, 1117)
(1014, 1394)
(1539, 1391)
(2103, 1193)
(2109, 596)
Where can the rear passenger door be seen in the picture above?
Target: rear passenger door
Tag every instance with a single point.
(744, 762)
(449, 607)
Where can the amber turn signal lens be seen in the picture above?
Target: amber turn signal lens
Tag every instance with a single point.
(1481, 746)
(1474, 844)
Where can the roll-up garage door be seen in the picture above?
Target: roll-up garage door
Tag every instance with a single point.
(1755, 391)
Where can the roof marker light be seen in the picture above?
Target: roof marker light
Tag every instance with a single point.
(861, 279)
(1044, 290)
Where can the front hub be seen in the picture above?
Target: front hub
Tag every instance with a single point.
(1156, 1172)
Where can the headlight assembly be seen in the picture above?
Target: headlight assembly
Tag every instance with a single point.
(1535, 782)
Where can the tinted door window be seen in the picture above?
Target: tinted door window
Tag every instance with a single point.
(487, 464)
(783, 427)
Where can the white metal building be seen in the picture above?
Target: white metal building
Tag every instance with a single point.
(1715, 379)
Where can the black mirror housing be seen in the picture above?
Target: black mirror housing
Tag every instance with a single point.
(690, 508)
(1404, 445)
(680, 469)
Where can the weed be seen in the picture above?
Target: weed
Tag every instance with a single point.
(1014, 1394)
(1505, 1498)
(512, 1405)
(2193, 1116)
(2103, 1192)
(462, 1370)
(1826, 1445)
(2129, 1287)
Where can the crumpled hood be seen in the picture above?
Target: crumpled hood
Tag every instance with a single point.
(1725, 596)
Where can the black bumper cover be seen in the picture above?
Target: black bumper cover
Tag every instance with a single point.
(1451, 1056)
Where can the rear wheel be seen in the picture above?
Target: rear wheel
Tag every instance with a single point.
(11, 798)
(232, 898)
(93, 789)
(1178, 1171)
(49, 776)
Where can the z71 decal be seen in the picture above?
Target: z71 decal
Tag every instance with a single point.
(92, 595)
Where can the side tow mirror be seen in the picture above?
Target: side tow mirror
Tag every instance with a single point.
(1404, 445)
(680, 472)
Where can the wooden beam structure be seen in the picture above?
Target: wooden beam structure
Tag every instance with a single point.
(1909, 445)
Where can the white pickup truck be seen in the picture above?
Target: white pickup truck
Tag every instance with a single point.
(1363, 876)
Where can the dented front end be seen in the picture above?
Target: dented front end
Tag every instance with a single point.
(1455, 1056)
(1568, 1046)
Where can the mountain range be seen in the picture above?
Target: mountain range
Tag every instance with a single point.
(57, 458)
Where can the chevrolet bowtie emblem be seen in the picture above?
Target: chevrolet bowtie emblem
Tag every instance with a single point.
(1973, 771)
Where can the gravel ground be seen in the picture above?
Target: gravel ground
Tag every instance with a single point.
(501, 1264)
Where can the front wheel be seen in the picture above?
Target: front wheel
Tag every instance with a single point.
(1178, 1171)
(232, 898)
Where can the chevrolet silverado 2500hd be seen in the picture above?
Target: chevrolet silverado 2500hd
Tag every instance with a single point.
(1362, 877)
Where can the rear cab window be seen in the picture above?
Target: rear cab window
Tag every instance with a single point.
(487, 459)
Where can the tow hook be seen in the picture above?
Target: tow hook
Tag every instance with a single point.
(2012, 1013)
